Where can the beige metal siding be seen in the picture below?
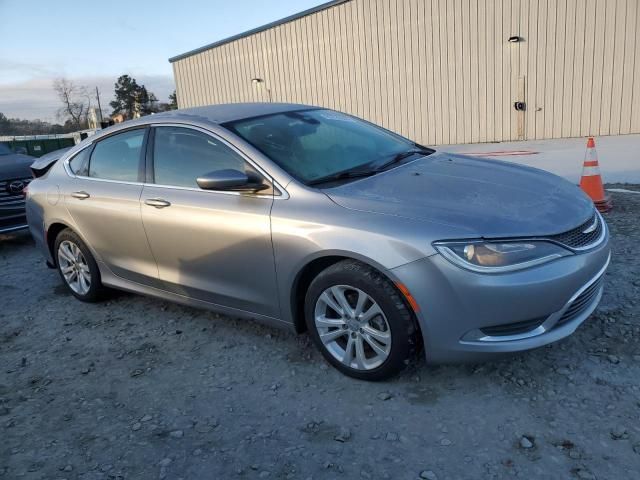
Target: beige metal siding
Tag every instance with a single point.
(442, 71)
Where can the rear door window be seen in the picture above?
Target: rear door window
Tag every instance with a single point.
(80, 163)
(118, 157)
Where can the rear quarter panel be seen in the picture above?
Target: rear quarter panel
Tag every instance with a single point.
(45, 206)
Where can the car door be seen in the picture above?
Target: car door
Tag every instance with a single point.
(103, 197)
(209, 245)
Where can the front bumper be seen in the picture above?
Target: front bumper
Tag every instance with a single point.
(13, 222)
(12, 205)
(468, 316)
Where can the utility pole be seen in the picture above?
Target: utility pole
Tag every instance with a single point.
(99, 107)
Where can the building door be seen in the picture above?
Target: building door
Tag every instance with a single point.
(516, 42)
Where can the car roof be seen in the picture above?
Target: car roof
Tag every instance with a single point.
(229, 112)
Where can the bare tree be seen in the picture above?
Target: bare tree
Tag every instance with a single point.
(75, 101)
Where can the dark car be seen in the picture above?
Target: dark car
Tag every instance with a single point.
(15, 174)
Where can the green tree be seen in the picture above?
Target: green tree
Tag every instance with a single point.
(165, 107)
(132, 100)
(5, 124)
(173, 101)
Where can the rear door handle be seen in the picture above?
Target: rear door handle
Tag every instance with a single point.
(157, 202)
(80, 195)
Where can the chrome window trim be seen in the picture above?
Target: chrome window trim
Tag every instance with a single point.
(106, 180)
(67, 169)
(217, 192)
(67, 161)
(284, 195)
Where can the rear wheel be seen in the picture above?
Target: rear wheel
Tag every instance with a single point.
(359, 321)
(77, 267)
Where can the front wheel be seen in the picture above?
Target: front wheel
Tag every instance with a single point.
(360, 321)
(77, 267)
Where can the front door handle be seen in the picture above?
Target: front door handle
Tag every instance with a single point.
(81, 195)
(157, 202)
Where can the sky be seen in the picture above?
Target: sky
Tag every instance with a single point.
(92, 43)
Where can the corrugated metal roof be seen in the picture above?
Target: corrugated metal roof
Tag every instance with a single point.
(253, 31)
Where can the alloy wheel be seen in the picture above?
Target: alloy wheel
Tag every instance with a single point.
(352, 327)
(74, 267)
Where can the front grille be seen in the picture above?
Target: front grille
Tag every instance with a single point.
(582, 301)
(516, 328)
(576, 238)
(10, 223)
(10, 198)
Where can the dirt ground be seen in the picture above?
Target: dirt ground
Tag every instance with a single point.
(138, 388)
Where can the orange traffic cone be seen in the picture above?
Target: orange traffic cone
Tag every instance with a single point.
(591, 182)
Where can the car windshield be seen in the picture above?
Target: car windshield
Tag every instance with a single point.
(318, 144)
(4, 150)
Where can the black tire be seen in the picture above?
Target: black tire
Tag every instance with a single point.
(400, 319)
(95, 291)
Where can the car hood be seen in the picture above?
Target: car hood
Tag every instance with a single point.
(15, 166)
(485, 198)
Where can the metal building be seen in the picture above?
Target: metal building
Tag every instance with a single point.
(439, 71)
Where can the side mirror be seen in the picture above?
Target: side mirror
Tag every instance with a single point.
(230, 180)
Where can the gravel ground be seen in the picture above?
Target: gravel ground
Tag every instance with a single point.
(138, 388)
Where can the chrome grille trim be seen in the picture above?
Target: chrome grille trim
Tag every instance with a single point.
(584, 298)
(510, 329)
(584, 237)
(9, 199)
(582, 301)
(13, 228)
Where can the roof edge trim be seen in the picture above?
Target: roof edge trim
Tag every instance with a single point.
(262, 28)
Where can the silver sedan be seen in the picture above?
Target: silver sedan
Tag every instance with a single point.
(316, 220)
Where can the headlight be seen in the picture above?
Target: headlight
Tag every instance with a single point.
(496, 257)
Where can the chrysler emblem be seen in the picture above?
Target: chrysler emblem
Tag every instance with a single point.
(591, 227)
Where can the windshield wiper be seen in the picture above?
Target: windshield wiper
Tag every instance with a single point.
(359, 172)
(342, 176)
(397, 158)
